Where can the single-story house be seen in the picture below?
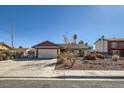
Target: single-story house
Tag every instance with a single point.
(49, 49)
(21, 52)
(80, 49)
(30, 53)
(110, 46)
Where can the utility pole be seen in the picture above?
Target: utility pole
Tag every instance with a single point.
(12, 30)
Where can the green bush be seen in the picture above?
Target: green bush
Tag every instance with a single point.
(7, 54)
(3, 56)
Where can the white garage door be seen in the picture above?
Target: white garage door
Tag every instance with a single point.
(47, 53)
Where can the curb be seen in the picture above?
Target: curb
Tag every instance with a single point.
(69, 77)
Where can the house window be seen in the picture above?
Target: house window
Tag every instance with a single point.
(121, 44)
(114, 45)
(115, 52)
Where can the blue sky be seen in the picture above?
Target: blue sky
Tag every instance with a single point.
(34, 24)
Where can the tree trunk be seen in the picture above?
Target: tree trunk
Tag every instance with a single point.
(73, 62)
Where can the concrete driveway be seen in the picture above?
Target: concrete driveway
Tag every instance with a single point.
(32, 68)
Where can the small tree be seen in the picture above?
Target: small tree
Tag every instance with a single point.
(81, 42)
(20, 47)
(68, 55)
(86, 44)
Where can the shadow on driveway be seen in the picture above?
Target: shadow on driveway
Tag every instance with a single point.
(31, 59)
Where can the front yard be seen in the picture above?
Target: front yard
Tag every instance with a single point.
(47, 69)
(99, 64)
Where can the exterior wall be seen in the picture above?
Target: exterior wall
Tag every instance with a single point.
(102, 46)
(82, 51)
(3, 47)
(116, 47)
(58, 52)
(47, 53)
(87, 51)
(30, 53)
(76, 52)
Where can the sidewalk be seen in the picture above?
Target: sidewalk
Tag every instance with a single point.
(93, 73)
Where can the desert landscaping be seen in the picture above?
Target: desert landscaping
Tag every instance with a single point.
(100, 64)
(91, 62)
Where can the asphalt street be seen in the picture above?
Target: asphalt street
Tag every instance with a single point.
(60, 84)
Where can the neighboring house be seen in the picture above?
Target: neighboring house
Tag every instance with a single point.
(49, 49)
(21, 52)
(4, 46)
(111, 46)
(31, 53)
(101, 45)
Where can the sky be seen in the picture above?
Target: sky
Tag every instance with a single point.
(35, 24)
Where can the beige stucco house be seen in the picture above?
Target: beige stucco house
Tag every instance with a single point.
(78, 49)
(49, 49)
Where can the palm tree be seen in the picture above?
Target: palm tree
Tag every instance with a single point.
(81, 42)
(74, 38)
(86, 44)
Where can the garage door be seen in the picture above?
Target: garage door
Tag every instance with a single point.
(47, 53)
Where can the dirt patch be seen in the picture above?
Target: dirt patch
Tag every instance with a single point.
(99, 64)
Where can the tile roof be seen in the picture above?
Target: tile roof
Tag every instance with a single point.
(51, 45)
(111, 39)
(2, 43)
(77, 46)
(21, 49)
(47, 45)
(115, 39)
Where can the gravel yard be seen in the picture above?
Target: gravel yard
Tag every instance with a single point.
(99, 64)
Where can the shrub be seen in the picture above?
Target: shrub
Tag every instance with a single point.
(90, 56)
(100, 56)
(81, 55)
(7, 54)
(122, 64)
(3, 56)
(115, 58)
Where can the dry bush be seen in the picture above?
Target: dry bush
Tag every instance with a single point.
(115, 58)
(90, 56)
(68, 56)
(122, 64)
(100, 56)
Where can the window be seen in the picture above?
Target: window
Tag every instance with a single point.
(115, 52)
(114, 45)
(121, 44)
